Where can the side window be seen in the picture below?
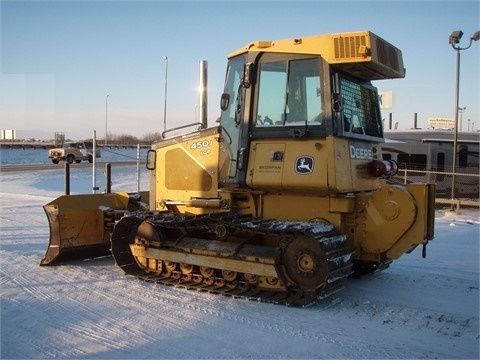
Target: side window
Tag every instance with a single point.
(440, 166)
(419, 161)
(289, 93)
(233, 88)
(463, 156)
(413, 162)
(403, 160)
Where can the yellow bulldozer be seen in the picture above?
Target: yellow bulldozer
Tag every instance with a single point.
(282, 200)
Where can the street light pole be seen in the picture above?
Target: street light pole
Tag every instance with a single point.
(106, 117)
(461, 116)
(165, 95)
(453, 40)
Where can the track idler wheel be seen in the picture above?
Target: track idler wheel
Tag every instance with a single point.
(186, 269)
(145, 235)
(305, 263)
(229, 275)
(251, 279)
(148, 233)
(207, 272)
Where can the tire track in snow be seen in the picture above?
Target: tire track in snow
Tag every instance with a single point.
(63, 295)
(250, 316)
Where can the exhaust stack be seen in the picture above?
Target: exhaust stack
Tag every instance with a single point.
(202, 123)
(203, 93)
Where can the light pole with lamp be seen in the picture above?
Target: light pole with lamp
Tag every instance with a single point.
(165, 96)
(453, 40)
(106, 117)
(461, 116)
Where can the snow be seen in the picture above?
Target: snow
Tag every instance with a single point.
(417, 308)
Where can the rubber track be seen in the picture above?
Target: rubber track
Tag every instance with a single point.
(335, 246)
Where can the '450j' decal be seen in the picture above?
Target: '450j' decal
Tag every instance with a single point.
(201, 144)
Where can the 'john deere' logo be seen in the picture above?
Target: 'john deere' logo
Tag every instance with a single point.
(304, 165)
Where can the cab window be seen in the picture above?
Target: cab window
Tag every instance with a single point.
(289, 94)
(361, 109)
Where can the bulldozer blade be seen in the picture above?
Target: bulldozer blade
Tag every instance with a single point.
(81, 225)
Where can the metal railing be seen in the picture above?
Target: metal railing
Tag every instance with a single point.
(466, 184)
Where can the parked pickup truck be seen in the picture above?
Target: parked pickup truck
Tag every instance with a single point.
(74, 152)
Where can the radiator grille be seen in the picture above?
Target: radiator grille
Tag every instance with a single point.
(387, 54)
(375, 56)
(347, 46)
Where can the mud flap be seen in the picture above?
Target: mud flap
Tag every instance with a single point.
(81, 225)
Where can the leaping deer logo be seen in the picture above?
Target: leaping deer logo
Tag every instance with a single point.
(304, 165)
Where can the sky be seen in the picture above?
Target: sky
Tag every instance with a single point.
(60, 59)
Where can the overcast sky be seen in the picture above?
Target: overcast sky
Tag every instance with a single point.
(60, 59)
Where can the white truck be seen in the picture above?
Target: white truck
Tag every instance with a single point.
(74, 152)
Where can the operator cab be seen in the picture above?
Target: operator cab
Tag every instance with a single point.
(285, 96)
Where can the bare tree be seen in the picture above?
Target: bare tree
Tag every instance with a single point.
(151, 137)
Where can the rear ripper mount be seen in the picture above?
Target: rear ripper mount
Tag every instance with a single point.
(296, 264)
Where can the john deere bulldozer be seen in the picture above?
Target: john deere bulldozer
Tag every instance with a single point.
(282, 200)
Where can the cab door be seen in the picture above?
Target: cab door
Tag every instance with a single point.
(232, 153)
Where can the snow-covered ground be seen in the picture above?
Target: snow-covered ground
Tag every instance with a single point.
(418, 308)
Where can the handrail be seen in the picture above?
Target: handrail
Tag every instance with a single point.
(202, 126)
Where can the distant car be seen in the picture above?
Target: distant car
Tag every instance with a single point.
(74, 152)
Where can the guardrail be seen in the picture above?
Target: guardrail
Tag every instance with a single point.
(467, 185)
